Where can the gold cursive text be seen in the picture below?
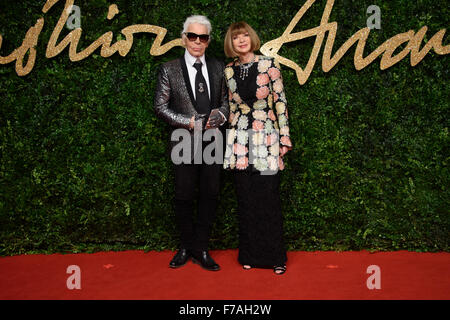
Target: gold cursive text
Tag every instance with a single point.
(270, 48)
(414, 40)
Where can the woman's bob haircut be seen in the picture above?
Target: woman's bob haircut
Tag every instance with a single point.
(236, 29)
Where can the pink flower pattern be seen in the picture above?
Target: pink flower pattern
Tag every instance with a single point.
(272, 115)
(262, 79)
(242, 163)
(258, 125)
(240, 150)
(274, 73)
(269, 88)
(262, 92)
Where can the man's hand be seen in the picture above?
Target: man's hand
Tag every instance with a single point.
(215, 119)
(198, 121)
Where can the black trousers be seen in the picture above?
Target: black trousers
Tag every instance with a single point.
(261, 242)
(193, 182)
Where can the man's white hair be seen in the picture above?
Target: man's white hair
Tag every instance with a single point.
(197, 19)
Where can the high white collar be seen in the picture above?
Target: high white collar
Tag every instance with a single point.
(190, 60)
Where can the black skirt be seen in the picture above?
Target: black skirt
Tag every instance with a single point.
(261, 243)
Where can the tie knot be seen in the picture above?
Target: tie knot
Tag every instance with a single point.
(198, 65)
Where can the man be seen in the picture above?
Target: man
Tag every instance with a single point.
(191, 93)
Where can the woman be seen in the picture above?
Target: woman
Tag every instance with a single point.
(256, 143)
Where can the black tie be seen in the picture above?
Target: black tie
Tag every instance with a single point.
(201, 90)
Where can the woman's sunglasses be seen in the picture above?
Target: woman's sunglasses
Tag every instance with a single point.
(193, 36)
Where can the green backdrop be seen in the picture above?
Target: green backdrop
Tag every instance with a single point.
(83, 163)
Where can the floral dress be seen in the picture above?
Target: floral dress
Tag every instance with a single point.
(258, 127)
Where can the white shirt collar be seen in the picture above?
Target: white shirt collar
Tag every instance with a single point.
(190, 60)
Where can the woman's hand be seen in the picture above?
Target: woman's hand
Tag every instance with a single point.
(284, 150)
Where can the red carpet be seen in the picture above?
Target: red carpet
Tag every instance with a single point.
(311, 275)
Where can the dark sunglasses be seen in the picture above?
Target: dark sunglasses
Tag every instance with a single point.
(193, 36)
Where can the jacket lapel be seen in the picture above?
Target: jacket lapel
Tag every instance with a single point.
(211, 76)
(187, 82)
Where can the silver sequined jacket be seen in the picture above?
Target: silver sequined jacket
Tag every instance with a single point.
(174, 101)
